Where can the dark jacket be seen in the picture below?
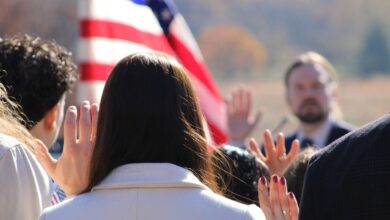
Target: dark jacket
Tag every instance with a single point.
(337, 130)
(350, 179)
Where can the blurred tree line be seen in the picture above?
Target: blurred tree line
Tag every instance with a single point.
(375, 55)
(340, 30)
(232, 50)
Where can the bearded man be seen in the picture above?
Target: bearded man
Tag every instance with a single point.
(311, 91)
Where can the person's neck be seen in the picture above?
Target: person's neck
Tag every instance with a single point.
(38, 132)
(312, 127)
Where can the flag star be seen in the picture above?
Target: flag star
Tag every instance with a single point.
(165, 14)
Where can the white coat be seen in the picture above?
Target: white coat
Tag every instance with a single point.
(151, 191)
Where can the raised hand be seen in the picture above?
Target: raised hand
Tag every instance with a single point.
(241, 120)
(276, 158)
(277, 203)
(71, 170)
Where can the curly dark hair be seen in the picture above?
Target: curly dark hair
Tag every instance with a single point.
(238, 172)
(36, 73)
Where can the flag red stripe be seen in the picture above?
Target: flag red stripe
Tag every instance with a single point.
(217, 134)
(197, 69)
(108, 29)
(94, 71)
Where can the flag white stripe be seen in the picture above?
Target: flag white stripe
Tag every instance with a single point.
(120, 11)
(89, 90)
(106, 50)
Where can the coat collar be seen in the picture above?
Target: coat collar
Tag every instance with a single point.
(150, 175)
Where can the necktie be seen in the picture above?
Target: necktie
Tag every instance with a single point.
(306, 142)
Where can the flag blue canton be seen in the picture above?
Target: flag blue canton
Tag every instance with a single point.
(139, 2)
(165, 11)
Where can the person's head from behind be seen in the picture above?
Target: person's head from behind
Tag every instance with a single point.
(149, 114)
(311, 88)
(237, 172)
(36, 74)
(295, 172)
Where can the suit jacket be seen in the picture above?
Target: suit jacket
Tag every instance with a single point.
(337, 130)
(350, 178)
(149, 191)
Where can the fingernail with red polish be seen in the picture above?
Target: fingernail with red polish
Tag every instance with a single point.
(275, 179)
(283, 181)
(262, 180)
(291, 195)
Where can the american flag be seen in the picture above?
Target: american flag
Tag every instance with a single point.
(111, 30)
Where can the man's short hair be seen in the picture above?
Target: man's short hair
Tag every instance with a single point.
(36, 73)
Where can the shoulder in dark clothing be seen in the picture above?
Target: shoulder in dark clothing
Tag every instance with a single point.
(349, 178)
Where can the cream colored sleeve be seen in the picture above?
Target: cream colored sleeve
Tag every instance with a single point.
(255, 213)
(24, 187)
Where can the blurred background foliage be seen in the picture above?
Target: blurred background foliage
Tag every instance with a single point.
(349, 33)
(246, 38)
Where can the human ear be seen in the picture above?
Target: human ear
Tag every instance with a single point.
(50, 118)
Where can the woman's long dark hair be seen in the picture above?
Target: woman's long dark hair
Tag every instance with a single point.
(149, 114)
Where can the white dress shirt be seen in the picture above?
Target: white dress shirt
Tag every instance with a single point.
(319, 137)
(25, 188)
